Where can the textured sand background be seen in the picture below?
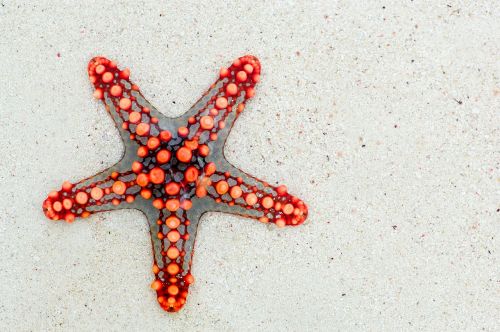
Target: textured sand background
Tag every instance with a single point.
(382, 115)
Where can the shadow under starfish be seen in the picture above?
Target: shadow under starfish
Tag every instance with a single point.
(174, 170)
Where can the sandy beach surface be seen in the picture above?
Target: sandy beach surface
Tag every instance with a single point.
(383, 116)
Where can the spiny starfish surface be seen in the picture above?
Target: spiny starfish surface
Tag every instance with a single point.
(174, 170)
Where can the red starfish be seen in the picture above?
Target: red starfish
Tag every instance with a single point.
(174, 170)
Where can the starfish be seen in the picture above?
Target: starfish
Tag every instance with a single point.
(174, 170)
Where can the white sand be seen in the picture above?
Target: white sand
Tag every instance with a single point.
(384, 120)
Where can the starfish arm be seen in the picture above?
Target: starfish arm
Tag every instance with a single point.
(212, 116)
(238, 193)
(173, 235)
(134, 116)
(105, 191)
